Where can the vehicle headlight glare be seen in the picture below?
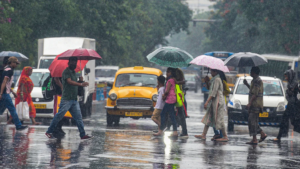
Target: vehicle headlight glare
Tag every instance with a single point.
(113, 96)
(281, 106)
(154, 97)
(237, 105)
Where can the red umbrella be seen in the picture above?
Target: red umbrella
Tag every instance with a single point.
(58, 66)
(81, 54)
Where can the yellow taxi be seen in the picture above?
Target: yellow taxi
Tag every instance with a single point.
(133, 94)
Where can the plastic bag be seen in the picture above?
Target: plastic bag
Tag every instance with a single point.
(23, 111)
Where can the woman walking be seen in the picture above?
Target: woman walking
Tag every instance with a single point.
(292, 110)
(226, 91)
(215, 108)
(170, 100)
(23, 94)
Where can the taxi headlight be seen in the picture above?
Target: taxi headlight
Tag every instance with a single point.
(237, 104)
(281, 107)
(113, 96)
(154, 97)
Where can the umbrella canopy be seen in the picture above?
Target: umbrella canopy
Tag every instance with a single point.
(18, 55)
(219, 54)
(245, 59)
(81, 54)
(58, 66)
(170, 57)
(210, 62)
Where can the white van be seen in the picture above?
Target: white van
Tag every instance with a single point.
(105, 74)
(274, 102)
(44, 108)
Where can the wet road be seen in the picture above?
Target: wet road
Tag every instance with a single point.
(131, 145)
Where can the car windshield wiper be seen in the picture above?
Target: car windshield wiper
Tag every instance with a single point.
(150, 84)
(40, 82)
(128, 84)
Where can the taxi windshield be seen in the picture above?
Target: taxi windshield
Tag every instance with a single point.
(271, 88)
(136, 79)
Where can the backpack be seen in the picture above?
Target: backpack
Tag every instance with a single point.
(48, 89)
(179, 96)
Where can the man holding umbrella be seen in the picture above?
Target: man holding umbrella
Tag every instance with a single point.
(255, 105)
(69, 100)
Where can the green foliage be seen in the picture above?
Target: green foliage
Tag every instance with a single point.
(261, 26)
(125, 31)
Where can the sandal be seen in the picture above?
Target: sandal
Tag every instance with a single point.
(276, 141)
(251, 143)
(158, 135)
(222, 140)
(200, 137)
(263, 138)
(216, 137)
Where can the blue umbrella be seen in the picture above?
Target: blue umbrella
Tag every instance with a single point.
(219, 54)
(18, 55)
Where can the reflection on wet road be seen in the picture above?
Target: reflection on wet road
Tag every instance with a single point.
(131, 145)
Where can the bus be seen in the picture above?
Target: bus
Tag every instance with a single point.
(278, 64)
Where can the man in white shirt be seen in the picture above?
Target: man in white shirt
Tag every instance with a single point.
(160, 102)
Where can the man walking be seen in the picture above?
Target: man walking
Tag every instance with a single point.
(255, 105)
(69, 100)
(5, 99)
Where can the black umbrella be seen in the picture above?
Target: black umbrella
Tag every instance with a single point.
(245, 59)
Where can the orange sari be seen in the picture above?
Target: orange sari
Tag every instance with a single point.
(28, 86)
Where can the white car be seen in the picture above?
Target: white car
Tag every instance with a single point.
(273, 97)
(44, 108)
(106, 73)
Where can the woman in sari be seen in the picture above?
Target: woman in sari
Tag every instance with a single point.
(24, 93)
(215, 108)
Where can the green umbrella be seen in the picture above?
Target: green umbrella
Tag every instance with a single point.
(170, 57)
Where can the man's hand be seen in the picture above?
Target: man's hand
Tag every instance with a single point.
(85, 84)
(248, 106)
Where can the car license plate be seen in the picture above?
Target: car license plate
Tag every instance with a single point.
(133, 114)
(40, 106)
(264, 114)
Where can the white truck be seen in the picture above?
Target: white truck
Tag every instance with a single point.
(49, 48)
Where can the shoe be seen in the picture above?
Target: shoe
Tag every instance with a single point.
(50, 135)
(86, 137)
(182, 136)
(22, 128)
(155, 131)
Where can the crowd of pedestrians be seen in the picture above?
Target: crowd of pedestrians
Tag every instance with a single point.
(216, 108)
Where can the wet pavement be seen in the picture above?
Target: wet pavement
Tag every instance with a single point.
(131, 145)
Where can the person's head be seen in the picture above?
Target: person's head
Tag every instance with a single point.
(179, 75)
(27, 71)
(254, 71)
(161, 80)
(5, 60)
(171, 72)
(222, 75)
(289, 75)
(214, 72)
(13, 62)
(72, 63)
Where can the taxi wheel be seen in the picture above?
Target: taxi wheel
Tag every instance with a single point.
(109, 119)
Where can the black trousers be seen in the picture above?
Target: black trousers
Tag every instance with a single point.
(181, 120)
(289, 113)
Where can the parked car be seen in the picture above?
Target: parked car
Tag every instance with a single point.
(273, 97)
(133, 94)
(191, 82)
(106, 73)
(44, 108)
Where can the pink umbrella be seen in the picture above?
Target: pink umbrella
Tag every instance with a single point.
(210, 62)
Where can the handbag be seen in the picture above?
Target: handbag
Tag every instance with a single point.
(23, 111)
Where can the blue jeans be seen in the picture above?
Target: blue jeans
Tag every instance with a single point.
(6, 102)
(74, 108)
(168, 108)
(217, 132)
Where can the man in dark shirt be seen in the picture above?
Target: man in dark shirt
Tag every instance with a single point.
(69, 100)
(5, 99)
